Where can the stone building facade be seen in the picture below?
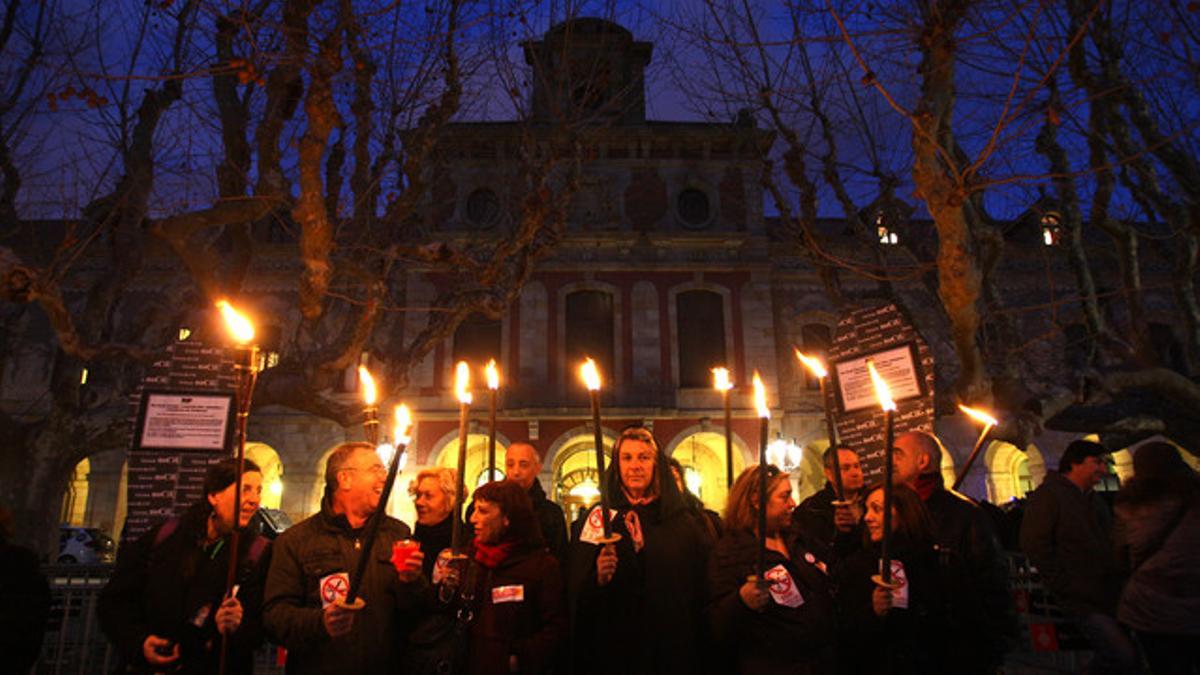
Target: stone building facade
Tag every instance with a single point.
(668, 267)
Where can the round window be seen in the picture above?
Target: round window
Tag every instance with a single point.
(483, 207)
(693, 207)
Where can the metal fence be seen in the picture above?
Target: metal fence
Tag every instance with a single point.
(74, 644)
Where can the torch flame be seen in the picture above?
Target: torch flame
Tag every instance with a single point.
(493, 375)
(813, 364)
(591, 376)
(239, 326)
(368, 386)
(760, 397)
(979, 415)
(882, 393)
(721, 379)
(403, 425)
(462, 382)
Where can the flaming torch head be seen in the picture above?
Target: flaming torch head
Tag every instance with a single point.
(403, 425)
(721, 379)
(591, 376)
(239, 326)
(882, 393)
(813, 364)
(760, 397)
(493, 375)
(462, 382)
(979, 416)
(370, 395)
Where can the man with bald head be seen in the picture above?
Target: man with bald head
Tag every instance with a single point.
(971, 564)
(522, 463)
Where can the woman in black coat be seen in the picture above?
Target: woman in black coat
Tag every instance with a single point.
(519, 605)
(885, 631)
(788, 625)
(637, 605)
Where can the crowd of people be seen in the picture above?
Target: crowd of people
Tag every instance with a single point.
(667, 586)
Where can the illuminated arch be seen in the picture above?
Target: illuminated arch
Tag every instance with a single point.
(446, 453)
(703, 451)
(268, 461)
(573, 465)
(75, 496)
(1011, 473)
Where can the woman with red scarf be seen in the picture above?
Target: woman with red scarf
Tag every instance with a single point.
(518, 600)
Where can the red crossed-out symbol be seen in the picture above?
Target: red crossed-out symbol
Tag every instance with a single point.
(334, 587)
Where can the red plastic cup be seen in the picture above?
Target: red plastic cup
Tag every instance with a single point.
(402, 550)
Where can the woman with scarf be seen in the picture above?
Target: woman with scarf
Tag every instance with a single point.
(637, 604)
(514, 585)
(900, 624)
(786, 626)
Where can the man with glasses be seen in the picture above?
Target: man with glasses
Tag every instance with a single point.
(309, 577)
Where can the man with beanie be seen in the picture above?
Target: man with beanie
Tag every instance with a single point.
(1067, 534)
(165, 606)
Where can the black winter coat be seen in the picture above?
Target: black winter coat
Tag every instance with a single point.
(975, 578)
(434, 539)
(779, 639)
(648, 619)
(321, 545)
(904, 641)
(170, 585)
(532, 628)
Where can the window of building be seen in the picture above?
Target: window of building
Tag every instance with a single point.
(700, 319)
(483, 208)
(1051, 230)
(887, 236)
(816, 339)
(590, 330)
(476, 340)
(693, 208)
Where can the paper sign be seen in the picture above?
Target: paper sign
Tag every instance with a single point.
(334, 587)
(783, 588)
(508, 594)
(900, 593)
(593, 529)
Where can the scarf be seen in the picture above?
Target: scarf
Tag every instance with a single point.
(491, 555)
(927, 484)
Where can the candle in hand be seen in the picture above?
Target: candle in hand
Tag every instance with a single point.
(764, 416)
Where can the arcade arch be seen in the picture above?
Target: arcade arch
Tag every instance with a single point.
(702, 455)
(576, 484)
(1011, 472)
(267, 460)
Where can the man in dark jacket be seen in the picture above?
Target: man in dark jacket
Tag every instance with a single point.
(972, 570)
(834, 532)
(310, 571)
(522, 464)
(164, 606)
(1067, 534)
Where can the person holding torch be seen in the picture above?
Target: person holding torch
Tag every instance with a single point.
(637, 603)
(305, 608)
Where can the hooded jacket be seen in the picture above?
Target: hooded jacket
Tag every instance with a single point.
(169, 583)
(649, 617)
(310, 551)
(780, 639)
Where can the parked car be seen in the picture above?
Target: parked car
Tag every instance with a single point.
(84, 545)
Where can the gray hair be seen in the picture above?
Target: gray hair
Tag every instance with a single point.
(447, 480)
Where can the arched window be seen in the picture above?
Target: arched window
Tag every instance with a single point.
(816, 338)
(476, 340)
(700, 318)
(590, 330)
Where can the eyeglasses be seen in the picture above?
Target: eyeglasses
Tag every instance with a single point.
(377, 469)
